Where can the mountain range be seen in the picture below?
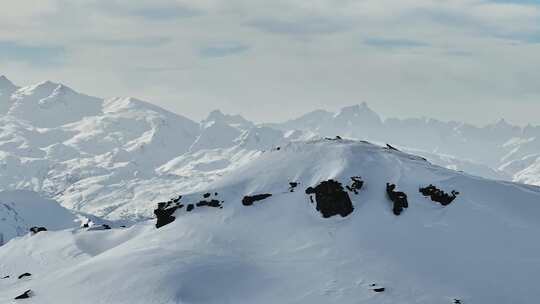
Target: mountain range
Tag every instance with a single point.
(130, 203)
(68, 146)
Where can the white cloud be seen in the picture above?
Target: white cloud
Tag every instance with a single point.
(302, 54)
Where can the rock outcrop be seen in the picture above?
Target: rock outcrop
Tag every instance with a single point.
(27, 294)
(210, 203)
(248, 200)
(397, 197)
(356, 185)
(35, 229)
(165, 210)
(292, 186)
(24, 275)
(331, 199)
(438, 195)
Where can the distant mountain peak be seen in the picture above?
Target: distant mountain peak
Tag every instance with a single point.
(357, 108)
(216, 116)
(5, 83)
(362, 111)
(44, 88)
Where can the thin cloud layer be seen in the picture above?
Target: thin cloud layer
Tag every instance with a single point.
(449, 59)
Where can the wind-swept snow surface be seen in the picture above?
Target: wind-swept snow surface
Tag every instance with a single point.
(20, 210)
(479, 249)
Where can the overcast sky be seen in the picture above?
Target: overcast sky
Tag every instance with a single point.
(470, 60)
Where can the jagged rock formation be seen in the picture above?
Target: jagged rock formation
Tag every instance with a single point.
(165, 210)
(249, 200)
(211, 203)
(27, 294)
(208, 202)
(24, 275)
(35, 229)
(438, 195)
(356, 185)
(390, 147)
(397, 197)
(292, 185)
(331, 199)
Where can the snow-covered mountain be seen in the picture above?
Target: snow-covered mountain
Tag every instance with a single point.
(116, 157)
(82, 151)
(492, 146)
(280, 248)
(294, 212)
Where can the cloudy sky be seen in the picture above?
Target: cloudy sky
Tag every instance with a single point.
(471, 60)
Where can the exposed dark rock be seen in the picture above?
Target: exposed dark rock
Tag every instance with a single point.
(190, 207)
(293, 185)
(335, 138)
(206, 195)
(398, 198)
(215, 193)
(376, 288)
(164, 212)
(438, 195)
(278, 148)
(176, 200)
(391, 147)
(331, 199)
(35, 229)
(356, 185)
(6, 277)
(249, 200)
(26, 274)
(99, 227)
(27, 294)
(212, 203)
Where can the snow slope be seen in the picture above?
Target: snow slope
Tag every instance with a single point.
(20, 210)
(479, 249)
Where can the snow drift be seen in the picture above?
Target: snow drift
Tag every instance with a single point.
(478, 249)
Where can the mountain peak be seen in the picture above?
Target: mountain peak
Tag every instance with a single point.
(362, 111)
(215, 115)
(5, 83)
(234, 120)
(357, 108)
(44, 87)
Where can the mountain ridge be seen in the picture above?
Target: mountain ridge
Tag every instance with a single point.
(103, 159)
